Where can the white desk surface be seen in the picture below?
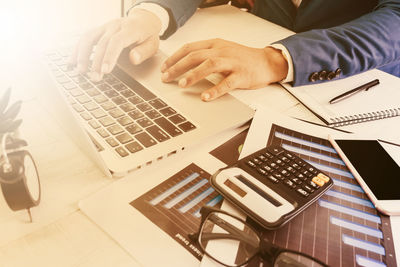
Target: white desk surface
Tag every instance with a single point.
(61, 235)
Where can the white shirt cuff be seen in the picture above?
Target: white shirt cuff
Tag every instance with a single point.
(288, 57)
(157, 10)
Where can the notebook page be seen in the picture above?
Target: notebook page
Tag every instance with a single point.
(381, 97)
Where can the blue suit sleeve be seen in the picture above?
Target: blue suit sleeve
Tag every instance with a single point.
(179, 12)
(371, 41)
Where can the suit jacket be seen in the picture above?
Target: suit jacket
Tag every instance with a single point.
(335, 38)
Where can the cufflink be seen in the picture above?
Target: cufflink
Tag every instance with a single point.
(322, 75)
(313, 77)
(331, 75)
(338, 71)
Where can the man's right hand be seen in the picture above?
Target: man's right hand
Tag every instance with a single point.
(139, 31)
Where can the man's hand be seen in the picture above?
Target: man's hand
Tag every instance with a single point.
(139, 31)
(243, 67)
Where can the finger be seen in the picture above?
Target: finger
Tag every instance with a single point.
(226, 85)
(211, 65)
(83, 50)
(187, 63)
(114, 48)
(184, 51)
(145, 50)
(100, 51)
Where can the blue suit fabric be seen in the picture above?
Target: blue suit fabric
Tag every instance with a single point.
(350, 35)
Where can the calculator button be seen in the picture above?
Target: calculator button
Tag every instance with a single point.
(308, 188)
(302, 192)
(296, 180)
(257, 161)
(289, 183)
(295, 165)
(277, 175)
(279, 162)
(251, 164)
(291, 169)
(268, 168)
(268, 155)
(262, 171)
(272, 179)
(301, 176)
(284, 172)
(284, 159)
(273, 165)
(289, 156)
(312, 170)
(275, 150)
(300, 162)
(262, 157)
(318, 181)
(313, 185)
(307, 173)
(323, 177)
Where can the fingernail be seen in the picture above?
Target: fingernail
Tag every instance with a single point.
(163, 67)
(205, 96)
(136, 57)
(182, 82)
(105, 68)
(165, 76)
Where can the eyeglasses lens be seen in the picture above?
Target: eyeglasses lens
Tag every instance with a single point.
(223, 236)
(288, 259)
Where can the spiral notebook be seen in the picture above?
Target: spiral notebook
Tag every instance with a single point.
(379, 102)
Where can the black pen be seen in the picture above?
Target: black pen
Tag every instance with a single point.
(354, 91)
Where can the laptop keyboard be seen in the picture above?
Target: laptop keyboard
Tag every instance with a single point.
(128, 116)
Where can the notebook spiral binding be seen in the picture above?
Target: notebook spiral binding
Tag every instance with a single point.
(370, 116)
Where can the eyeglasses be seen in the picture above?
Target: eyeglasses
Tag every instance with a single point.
(220, 232)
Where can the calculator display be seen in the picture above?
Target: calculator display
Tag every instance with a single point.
(378, 170)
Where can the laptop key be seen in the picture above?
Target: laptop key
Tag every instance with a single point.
(103, 133)
(135, 100)
(187, 126)
(63, 79)
(145, 139)
(93, 92)
(120, 86)
(134, 147)
(85, 86)
(106, 121)
(135, 114)
(112, 142)
(108, 106)
(76, 92)
(100, 99)
(111, 93)
(144, 122)
(157, 103)
(94, 124)
(127, 93)
(103, 87)
(79, 79)
(119, 100)
(125, 120)
(127, 107)
(168, 126)
(78, 108)
(133, 129)
(177, 119)
(168, 111)
(83, 99)
(110, 79)
(153, 114)
(121, 151)
(69, 86)
(98, 113)
(91, 106)
(157, 133)
(124, 138)
(86, 116)
(144, 107)
(116, 113)
(115, 129)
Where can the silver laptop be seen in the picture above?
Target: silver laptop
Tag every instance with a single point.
(131, 118)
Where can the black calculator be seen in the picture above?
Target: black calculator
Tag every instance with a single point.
(271, 185)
